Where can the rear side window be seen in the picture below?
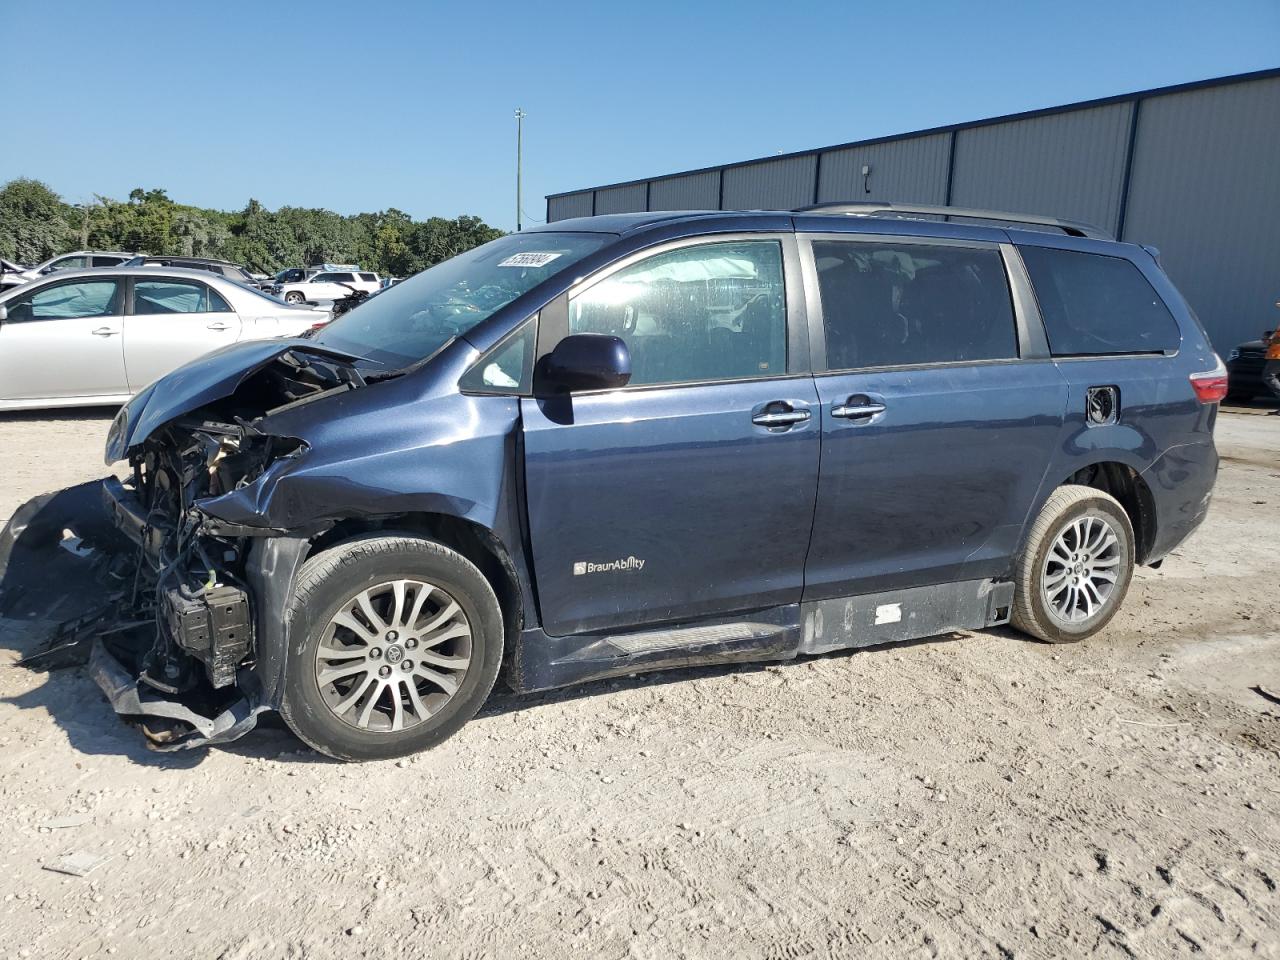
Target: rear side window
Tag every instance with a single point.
(716, 311)
(175, 296)
(1094, 304)
(369, 277)
(106, 261)
(893, 304)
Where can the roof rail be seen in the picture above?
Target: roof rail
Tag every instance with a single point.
(870, 208)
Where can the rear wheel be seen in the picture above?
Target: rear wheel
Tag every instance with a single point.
(395, 644)
(1075, 568)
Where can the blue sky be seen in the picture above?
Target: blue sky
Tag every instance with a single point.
(362, 106)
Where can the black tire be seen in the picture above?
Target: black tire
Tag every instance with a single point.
(294, 297)
(329, 581)
(1032, 613)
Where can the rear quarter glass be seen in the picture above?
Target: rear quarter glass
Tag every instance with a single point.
(1093, 304)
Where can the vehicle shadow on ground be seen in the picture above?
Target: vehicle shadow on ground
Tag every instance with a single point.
(1258, 405)
(74, 703)
(503, 700)
(60, 415)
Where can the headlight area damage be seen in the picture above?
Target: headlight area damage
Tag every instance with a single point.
(171, 638)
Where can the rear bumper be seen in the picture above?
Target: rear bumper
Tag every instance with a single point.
(1181, 483)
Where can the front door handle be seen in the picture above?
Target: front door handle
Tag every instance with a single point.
(104, 332)
(779, 414)
(857, 408)
(219, 326)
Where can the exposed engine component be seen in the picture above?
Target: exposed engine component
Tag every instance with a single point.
(215, 628)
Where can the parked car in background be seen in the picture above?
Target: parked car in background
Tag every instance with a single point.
(287, 275)
(223, 268)
(97, 336)
(327, 286)
(1245, 366)
(12, 274)
(79, 260)
(624, 443)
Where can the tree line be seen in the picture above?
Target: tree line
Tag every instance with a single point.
(36, 224)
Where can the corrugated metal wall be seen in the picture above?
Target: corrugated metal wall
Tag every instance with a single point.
(1199, 164)
(780, 184)
(1066, 164)
(626, 199)
(698, 191)
(1206, 190)
(569, 205)
(912, 169)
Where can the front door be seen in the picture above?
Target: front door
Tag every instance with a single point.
(64, 340)
(690, 492)
(937, 423)
(173, 321)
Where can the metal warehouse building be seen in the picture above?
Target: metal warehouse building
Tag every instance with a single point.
(1193, 169)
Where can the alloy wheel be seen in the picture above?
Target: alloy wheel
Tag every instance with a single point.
(393, 655)
(1082, 569)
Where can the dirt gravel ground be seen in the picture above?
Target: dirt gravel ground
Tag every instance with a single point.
(978, 795)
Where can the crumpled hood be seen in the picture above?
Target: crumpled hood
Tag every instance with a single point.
(202, 381)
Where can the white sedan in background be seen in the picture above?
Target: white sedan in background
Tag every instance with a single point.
(84, 337)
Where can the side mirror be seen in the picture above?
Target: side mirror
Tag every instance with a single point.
(586, 361)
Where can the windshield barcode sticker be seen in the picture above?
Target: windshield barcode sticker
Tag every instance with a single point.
(531, 259)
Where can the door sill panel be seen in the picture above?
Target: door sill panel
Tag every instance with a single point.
(892, 616)
(544, 662)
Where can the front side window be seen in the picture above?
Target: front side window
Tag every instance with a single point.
(894, 304)
(106, 261)
(369, 277)
(174, 296)
(508, 367)
(67, 263)
(1094, 304)
(67, 301)
(716, 311)
(412, 320)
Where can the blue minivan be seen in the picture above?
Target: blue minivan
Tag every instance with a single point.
(632, 442)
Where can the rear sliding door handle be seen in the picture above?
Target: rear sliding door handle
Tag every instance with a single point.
(856, 411)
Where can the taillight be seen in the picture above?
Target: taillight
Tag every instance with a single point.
(1211, 385)
(1273, 351)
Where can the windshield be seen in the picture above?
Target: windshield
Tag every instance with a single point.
(416, 317)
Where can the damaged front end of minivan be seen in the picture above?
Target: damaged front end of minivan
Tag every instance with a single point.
(173, 634)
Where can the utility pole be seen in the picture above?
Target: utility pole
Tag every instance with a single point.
(520, 115)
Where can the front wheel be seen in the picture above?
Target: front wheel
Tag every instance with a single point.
(293, 297)
(1075, 567)
(395, 642)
